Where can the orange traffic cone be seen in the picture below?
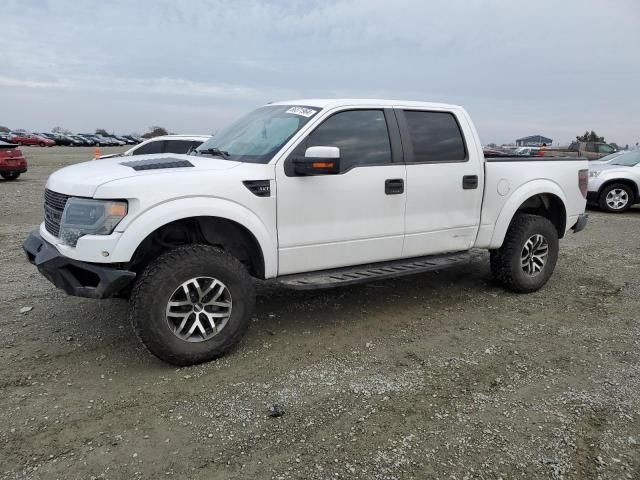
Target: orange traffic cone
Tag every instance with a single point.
(97, 152)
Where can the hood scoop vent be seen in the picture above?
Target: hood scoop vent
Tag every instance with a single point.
(157, 164)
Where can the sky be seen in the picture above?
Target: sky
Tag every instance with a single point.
(549, 67)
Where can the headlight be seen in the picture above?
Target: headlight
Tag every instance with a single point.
(84, 216)
(594, 173)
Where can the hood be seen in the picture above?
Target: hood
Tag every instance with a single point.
(83, 179)
(608, 167)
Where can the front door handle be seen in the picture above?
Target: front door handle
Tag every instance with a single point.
(394, 186)
(470, 182)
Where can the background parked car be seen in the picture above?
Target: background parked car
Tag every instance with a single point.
(26, 138)
(80, 141)
(165, 144)
(108, 141)
(615, 186)
(595, 150)
(494, 152)
(89, 138)
(74, 142)
(12, 161)
(527, 151)
(126, 141)
(57, 138)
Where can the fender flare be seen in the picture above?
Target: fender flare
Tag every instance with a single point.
(150, 220)
(516, 199)
(624, 178)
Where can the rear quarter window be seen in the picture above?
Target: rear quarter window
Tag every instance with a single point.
(434, 136)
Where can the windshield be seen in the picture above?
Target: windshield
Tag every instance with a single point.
(610, 157)
(258, 136)
(630, 159)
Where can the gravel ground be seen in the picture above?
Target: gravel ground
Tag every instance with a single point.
(440, 375)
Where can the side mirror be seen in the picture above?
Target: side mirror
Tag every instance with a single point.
(318, 161)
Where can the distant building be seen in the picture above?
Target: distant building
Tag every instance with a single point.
(533, 141)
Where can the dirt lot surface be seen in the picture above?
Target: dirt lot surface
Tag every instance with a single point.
(440, 375)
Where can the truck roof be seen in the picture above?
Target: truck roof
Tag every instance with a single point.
(343, 102)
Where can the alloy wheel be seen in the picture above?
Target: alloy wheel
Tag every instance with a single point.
(617, 198)
(534, 255)
(199, 309)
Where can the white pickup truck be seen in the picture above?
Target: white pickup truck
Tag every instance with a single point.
(310, 194)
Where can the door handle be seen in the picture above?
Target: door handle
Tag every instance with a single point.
(394, 186)
(470, 182)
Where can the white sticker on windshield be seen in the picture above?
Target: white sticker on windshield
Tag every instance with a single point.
(304, 111)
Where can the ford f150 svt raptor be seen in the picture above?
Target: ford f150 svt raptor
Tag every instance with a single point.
(309, 193)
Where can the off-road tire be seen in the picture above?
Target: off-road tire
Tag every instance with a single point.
(10, 176)
(158, 281)
(602, 200)
(505, 262)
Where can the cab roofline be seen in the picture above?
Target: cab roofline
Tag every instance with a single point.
(346, 102)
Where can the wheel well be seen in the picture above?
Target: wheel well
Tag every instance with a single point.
(220, 232)
(623, 181)
(549, 206)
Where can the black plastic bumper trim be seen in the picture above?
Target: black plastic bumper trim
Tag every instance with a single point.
(8, 170)
(81, 279)
(581, 223)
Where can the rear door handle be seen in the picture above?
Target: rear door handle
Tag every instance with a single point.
(394, 186)
(470, 182)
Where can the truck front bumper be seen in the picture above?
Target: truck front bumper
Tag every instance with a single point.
(580, 225)
(81, 279)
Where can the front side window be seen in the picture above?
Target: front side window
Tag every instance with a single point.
(605, 149)
(150, 148)
(258, 136)
(361, 135)
(435, 137)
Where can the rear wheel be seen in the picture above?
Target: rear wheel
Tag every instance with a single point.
(192, 304)
(528, 254)
(10, 176)
(616, 198)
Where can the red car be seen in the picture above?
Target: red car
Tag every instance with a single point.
(24, 138)
(12, 161)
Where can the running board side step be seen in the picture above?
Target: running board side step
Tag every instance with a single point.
(372, 271)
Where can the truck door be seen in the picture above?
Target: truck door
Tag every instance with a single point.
(354, 216)
(445, 178)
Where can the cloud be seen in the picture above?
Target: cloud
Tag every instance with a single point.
(147, 86)
(559, 67)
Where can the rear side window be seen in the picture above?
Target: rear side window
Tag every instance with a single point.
(605, 149)
(149, 148)
(179, 146)
(361, 136)
(435, 136)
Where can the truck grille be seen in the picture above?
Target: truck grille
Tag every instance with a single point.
(54, 204)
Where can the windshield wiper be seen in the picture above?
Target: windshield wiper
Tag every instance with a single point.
(215, 152)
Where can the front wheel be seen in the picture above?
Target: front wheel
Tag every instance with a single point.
(528, 254)
(10, 176)
(616, 198)
(192, 304)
